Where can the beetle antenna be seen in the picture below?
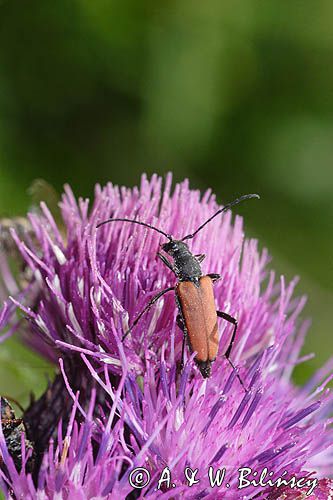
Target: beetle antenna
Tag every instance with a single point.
(224, 209)
(133, 221)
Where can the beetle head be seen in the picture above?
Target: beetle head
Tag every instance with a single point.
(174, 246)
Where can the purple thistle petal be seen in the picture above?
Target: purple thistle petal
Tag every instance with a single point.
(254, 403)
(214, 411)
(229, 382)
(300, 415)
(128, 404)
(240, 409)
(219, 454)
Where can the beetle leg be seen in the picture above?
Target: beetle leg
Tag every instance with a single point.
(214, 277)
(166, 261)
(200, 257)
(181, 323)
(232, 320)
(145, 309)
(180, 320)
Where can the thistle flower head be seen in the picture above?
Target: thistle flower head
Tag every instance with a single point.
(116, 405)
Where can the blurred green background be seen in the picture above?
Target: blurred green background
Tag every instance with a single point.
(237, 95)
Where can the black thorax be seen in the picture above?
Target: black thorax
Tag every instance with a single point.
(186, 265)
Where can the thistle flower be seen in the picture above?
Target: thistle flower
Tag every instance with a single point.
(116, 406)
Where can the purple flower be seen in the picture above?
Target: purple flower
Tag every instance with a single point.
(115, 405)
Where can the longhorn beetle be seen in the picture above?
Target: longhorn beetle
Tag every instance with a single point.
(194, 295)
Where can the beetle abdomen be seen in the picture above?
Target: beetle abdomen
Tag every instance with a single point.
(198, 307)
